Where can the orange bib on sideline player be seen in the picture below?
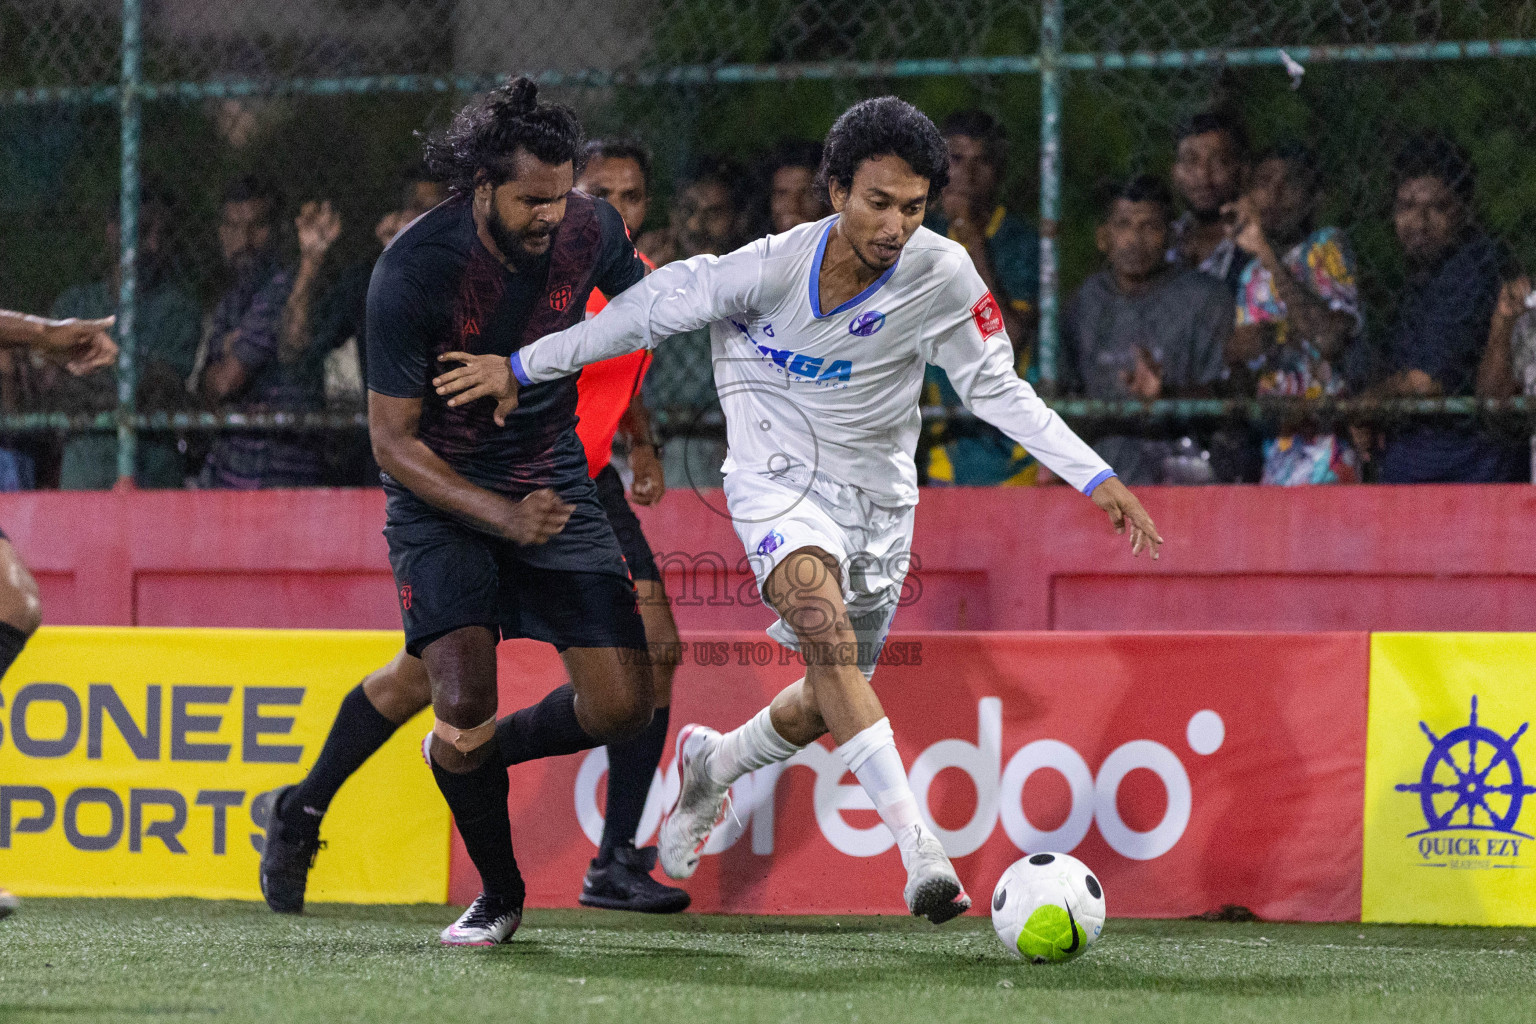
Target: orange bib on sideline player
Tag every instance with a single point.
(603, 394)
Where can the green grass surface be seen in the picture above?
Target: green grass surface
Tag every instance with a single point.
(130, 960)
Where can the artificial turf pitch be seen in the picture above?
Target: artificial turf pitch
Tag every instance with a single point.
(137, 960)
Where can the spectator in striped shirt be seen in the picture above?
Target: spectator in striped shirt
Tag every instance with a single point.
(243, 371)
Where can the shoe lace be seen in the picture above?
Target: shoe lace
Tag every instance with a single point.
(728, 807)
(484, 911)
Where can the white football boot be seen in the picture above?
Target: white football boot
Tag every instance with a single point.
(700, 806)
(9, 904)
(933, 889)
(488, 922)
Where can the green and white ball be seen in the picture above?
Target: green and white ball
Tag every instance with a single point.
(1048, 908)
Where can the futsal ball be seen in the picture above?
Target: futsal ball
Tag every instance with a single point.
(1048, 908)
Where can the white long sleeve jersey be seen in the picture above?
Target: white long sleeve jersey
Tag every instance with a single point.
(835, 391)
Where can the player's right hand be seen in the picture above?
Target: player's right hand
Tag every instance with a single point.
(538, 517)
(1124, 510)
(482, 376)
(83, 346)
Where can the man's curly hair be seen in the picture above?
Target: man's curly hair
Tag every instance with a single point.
(486, 135)
(885, 126)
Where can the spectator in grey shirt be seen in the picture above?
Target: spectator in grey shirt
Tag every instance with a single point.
(1144, 328)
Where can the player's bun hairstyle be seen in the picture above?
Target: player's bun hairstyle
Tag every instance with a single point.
(486, 135)
(885, 126)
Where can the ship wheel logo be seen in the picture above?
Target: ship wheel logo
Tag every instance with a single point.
(1472, 780)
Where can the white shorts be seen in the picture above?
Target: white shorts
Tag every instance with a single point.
(775, 515)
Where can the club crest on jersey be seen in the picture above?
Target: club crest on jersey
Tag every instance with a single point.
(866, 324)
(560, 298)
(988, 317)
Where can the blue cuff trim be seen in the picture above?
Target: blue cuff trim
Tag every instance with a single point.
(1089, 489)
(516, 361)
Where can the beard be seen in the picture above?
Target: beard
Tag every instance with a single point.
(511, 245)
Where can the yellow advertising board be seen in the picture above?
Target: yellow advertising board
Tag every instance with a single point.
(1450, 809)
(141, 762)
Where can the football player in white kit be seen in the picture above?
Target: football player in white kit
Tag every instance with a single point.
(819, 338)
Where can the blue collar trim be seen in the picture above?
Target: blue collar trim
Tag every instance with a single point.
(821, 250)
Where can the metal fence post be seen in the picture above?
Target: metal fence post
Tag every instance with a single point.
(1050, 188)
(128, 242)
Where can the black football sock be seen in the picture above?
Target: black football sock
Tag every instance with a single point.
(358, 731)
(478, 800)
(631, 769)
(12, 640)
(546, 729)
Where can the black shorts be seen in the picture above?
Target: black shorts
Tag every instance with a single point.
(571, 591)
(626, 526)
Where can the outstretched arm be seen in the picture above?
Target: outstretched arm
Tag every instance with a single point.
(680, 297)
(968, 342)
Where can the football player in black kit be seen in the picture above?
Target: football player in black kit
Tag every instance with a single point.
(493, 522)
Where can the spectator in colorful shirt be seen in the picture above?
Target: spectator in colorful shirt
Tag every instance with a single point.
(1210, 169)
(1509, 362)
(1144, 328)
(1006, 251)
(1297, 307)
(166, 326)
(1455, 273)
(247, 368)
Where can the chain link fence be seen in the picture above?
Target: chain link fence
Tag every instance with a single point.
(132, 118)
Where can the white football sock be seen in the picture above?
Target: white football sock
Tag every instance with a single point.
(746, 748)
(872, 757)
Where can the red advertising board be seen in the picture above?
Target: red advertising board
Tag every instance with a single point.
(1190, 771)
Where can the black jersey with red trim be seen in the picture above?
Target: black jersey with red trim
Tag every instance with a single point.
(437, 289)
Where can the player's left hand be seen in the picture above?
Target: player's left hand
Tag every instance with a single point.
(483, 376)
(1124, 510)
(650, 482)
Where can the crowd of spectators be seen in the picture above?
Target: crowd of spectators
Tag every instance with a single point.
(1223, 281)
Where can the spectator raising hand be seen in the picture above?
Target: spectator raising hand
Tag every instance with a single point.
(318, 226)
